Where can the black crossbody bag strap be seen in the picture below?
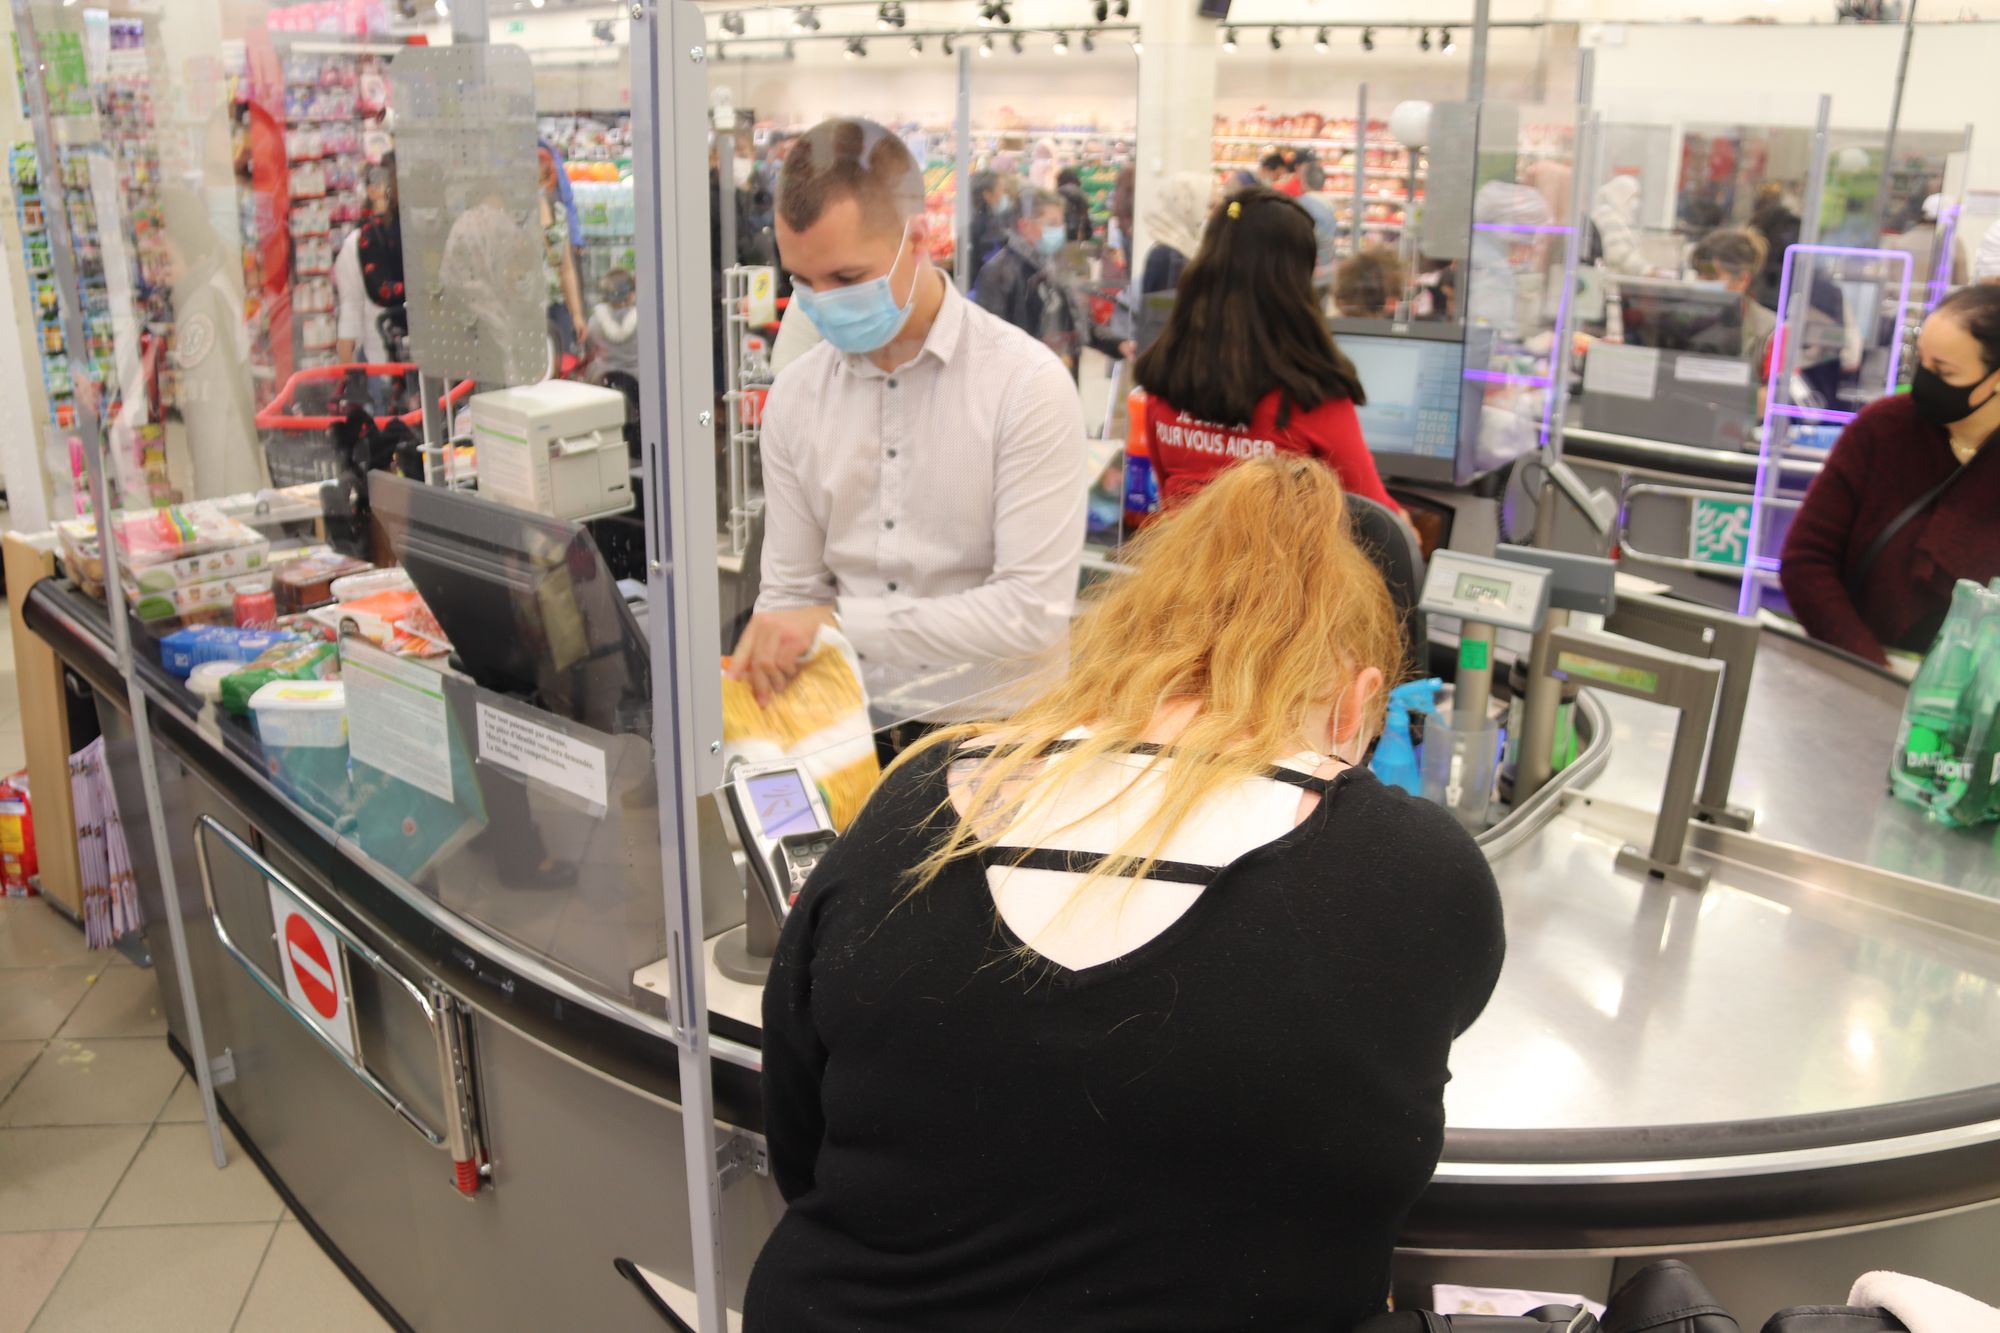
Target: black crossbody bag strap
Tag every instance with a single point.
(1859, 578)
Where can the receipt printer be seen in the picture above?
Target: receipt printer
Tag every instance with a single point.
(556, 448)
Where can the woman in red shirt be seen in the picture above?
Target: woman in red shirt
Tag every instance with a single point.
(1246, 366)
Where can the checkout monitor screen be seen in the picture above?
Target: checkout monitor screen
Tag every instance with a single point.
(1413, 397)
(782, 804)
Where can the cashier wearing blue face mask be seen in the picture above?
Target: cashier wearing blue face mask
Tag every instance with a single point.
(924, 470)
(1024, 284)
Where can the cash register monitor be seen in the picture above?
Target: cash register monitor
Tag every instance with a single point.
(1413, 419)
(526, 600)
(1681, 316)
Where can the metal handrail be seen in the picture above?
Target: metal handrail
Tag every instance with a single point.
(1690, 494)
(206, 824)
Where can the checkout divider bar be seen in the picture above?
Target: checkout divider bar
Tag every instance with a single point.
(434, 1002)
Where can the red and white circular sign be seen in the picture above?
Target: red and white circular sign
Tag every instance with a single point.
(312, 970)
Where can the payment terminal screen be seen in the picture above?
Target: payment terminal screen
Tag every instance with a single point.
(1412, 387)
(781, 803)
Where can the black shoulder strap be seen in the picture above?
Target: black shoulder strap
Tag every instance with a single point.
(1858, 580)
(1309, 781)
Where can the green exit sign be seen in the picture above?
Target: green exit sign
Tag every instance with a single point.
(516, 26)
(1719, 532)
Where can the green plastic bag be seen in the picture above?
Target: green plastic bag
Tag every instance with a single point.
(1947, 757)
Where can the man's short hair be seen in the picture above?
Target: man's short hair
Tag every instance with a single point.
(1274, 161)
(850, 159)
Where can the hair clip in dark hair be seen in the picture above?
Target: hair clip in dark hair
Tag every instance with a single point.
(1235, 208)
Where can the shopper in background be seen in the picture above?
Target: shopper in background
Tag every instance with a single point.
(1906, 504)
(991, 1028)
(1175, 217)
(1368, 285)
(1246, 366)
(368, 273)
(1023, 285)
(1920, 241)
(1275, 171)
(614, 327)
(209, 347)
(1986, 265)
(1326, 222)
(1734, 256)
(565, 291)
(1076, 207)
(1774, 220)
(1124, 207)
(1614, 232)
(991, 209)
(924, 472)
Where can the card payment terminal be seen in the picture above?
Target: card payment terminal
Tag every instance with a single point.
(785, 831)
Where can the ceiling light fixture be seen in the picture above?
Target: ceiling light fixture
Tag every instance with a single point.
(443, 9)
(1229, 40)
(916, 47)
(1102, 9)
(985, 47)
(805, 19)
(1319, 41)
(1424, 41)
(1449, 44)
(1015, 42)
(732, 22)
(856, 48)
(946, 44)
(1138, 46)
(1277, 42)
(1089, 43)
(1123, 9)
(1368, 39)
(1062, 44)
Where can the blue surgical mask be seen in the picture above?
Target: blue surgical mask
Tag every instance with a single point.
(1054, 237)
(862, 318)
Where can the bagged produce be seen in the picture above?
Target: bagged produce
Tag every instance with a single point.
(1947, 756)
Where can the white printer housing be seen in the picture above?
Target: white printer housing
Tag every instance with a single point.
(557, 448)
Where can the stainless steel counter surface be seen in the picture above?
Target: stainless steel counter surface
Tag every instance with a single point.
(1814, 765)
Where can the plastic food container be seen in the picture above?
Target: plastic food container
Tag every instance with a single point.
(206, 682)
(350, 586)
(301, 713)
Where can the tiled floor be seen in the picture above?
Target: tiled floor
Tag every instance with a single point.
(112, 1214)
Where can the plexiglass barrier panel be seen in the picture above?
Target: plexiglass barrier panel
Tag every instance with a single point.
(1841, 347)
(365, 488)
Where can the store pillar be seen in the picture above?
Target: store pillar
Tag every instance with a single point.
(1176, 103)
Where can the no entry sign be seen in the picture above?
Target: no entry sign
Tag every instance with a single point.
(314, 968)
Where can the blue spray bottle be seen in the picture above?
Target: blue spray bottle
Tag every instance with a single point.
(1396, 756)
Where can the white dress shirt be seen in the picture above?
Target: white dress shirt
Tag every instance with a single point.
(939, 506)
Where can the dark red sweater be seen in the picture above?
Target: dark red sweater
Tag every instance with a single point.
(1884, 460)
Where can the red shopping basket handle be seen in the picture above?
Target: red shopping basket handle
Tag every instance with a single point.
(273, 415)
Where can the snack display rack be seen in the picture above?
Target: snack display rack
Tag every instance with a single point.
(333, 129)
(1383, 163)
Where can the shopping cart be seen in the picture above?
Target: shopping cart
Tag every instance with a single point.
(297, 426)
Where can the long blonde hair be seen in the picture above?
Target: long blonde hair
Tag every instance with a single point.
(1251, 600)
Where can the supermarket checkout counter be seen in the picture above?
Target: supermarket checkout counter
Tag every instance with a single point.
(1749, 1073)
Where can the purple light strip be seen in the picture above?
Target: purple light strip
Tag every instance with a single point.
(1749, 594)
(1508, 377)
(1525, 229)
(1823, 416)
(1948, 234)
(1562, 331)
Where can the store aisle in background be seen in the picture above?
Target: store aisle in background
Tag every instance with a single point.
(112, 1215)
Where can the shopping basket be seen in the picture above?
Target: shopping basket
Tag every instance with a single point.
(297, 425)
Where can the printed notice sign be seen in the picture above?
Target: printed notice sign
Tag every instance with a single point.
(1723, 370)
(396, 717)
(1621, 372)
(534, 750)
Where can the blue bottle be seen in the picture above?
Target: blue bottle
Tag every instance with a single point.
(1396, 755)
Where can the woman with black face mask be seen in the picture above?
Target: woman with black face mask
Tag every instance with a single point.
(1909, 501)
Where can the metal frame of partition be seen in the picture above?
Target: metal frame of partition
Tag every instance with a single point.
(89, 431)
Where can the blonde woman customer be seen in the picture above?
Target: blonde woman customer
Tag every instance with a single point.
(1024, 1012)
